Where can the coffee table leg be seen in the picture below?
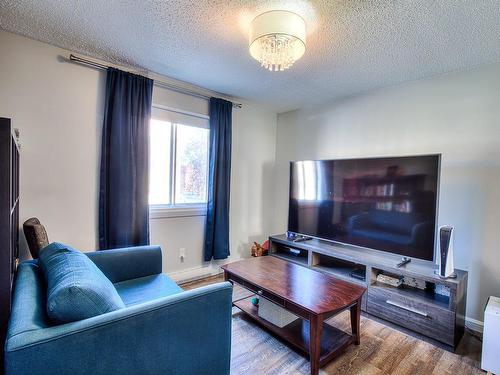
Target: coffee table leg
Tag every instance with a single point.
(315, 328)
(355, 322)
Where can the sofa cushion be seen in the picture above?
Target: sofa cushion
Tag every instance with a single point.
(147, 288)
(76, 287)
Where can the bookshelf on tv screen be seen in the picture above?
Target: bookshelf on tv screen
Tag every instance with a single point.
(385, 203)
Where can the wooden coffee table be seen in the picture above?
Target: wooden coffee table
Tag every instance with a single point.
(311, 295)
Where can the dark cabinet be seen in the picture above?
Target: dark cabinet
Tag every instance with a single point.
(9, 220)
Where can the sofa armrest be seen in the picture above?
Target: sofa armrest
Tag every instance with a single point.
(128, 263)
(186, 333)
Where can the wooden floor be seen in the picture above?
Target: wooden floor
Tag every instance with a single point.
(383, 350)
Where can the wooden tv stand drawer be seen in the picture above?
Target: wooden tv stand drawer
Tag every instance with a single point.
(422, 317)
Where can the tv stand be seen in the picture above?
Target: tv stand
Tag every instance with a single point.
(432, 307)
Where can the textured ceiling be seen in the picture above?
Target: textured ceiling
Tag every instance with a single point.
(353, 46)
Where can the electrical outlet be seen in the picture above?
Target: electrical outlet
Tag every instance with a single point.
(182, 253)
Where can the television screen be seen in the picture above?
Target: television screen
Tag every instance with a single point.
(387, 203)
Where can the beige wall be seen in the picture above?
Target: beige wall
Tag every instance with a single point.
(457, 115)
(58, 107)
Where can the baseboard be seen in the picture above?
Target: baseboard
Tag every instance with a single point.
(474, 325)
(194, 273)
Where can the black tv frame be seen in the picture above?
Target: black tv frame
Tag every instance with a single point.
(436, 214)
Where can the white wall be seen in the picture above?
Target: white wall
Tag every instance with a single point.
(58, 107)
(457, 115)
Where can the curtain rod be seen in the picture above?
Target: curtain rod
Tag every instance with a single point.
(165, 85)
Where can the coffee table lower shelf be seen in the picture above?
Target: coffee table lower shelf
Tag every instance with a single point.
(333, 340)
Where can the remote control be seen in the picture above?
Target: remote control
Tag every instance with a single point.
(404, 260)
(301, 239)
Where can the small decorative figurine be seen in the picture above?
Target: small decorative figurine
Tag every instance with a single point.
(259, 250)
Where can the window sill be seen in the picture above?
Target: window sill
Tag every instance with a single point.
(161, 212)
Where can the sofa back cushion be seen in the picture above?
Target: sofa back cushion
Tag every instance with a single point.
(76, 287)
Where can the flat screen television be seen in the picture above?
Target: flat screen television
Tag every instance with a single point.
(385, 203)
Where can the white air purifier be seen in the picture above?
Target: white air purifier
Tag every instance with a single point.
(490, 360)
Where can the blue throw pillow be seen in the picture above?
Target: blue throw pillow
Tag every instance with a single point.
(76, 287)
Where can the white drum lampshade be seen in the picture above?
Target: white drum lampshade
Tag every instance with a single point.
(277, 39)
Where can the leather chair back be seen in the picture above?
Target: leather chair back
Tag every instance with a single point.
(36, 236)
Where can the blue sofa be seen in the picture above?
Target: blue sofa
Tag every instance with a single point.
(162, 329)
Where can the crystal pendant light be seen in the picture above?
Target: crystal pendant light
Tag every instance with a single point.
(277, 39)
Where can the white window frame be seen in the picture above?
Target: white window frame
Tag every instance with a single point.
(159, 211)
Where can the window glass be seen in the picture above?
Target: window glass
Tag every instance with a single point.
(160, 134)
(191, 164)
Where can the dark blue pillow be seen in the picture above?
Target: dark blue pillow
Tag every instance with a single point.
(76, 287)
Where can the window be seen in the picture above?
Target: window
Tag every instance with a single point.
(178, 159)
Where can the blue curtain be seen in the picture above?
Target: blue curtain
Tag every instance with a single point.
(219, 178)
(124, 175)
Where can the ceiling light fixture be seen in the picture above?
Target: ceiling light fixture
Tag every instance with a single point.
(277, 39)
